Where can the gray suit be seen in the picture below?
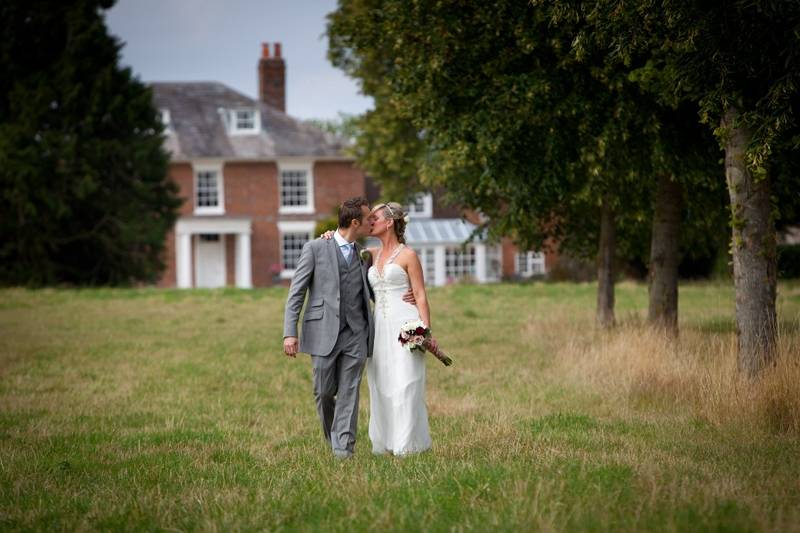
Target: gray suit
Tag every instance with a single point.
(338, 332)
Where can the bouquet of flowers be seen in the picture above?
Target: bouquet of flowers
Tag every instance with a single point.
(415, 335)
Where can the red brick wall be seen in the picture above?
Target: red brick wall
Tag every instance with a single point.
(169, 276)
(334, 182)
(182, 175)
(509, 250)
(251, 190)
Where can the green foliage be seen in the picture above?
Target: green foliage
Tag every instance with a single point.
(344, 126)
(789, 261)
(493, 103)
(474, 98)
(741, 55)
(82, 169)
(388, 144)
(326, 224)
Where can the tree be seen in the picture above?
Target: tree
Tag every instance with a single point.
(344, 126)
(739, 61)
(467, 117)
(82, 167)
(685, 161)
(491, 102)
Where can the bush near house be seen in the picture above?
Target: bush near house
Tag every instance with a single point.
(789, 261)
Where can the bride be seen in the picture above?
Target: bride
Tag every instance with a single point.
(398, 420)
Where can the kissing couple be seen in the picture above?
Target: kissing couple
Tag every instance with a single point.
(343, 333)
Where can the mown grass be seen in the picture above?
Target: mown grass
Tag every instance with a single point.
(147, 409)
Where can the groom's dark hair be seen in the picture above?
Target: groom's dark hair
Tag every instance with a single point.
(350, 210)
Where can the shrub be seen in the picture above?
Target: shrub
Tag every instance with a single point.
(789, 261)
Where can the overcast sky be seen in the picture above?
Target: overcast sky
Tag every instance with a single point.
(220, 40)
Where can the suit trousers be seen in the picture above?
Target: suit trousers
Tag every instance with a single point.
(337, 378)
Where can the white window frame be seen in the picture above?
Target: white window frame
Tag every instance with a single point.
(460, 251)
(427, 206)
(306, 167)
(166, 119)
(427, 259)
(233, 125)
(494, 253)
(534, 264)
(218, 209)
(284, 227)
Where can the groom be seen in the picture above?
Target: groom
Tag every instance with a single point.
(338, 330)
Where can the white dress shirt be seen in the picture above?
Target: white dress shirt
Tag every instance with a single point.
(345, 246)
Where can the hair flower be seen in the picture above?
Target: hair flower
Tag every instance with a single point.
(406, 219)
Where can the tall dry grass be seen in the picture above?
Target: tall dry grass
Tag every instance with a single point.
(695, 373)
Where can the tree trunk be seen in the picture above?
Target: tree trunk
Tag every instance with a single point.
(664, 255)
(605, 266)
(754, 251)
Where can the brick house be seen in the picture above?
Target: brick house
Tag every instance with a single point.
(255, 182)
(437, 232)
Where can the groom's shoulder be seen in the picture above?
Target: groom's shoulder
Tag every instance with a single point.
(315, 244)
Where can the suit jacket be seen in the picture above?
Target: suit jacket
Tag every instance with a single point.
(317, 274)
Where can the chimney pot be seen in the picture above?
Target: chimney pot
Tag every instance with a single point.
(272, 77)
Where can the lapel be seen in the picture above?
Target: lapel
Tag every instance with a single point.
(333, 249)
(357, 250)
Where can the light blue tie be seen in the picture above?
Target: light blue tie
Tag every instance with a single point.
(347, 252)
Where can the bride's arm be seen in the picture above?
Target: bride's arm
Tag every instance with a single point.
(418, 287)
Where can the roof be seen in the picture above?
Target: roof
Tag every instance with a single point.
(439, 231)
(198, 131)
(424, 231)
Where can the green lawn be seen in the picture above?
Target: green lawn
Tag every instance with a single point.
(176, 410)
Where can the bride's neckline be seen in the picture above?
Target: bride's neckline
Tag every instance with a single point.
(389, 261)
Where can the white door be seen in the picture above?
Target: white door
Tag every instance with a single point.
(209, 260)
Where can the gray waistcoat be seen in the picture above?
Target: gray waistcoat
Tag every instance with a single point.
(351, 291)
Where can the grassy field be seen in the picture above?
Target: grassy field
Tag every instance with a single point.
(176, 410)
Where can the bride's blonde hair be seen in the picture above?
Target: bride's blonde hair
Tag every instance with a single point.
(394, 211)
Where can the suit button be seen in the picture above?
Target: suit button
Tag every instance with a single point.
(337, 315)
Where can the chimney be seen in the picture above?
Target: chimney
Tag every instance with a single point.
(272, 77)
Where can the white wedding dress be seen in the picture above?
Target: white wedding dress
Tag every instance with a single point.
(398, 421)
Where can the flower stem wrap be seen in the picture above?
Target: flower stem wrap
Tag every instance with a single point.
(437, 353)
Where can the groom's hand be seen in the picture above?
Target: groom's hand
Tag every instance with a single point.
(290, 346)
(408, 297)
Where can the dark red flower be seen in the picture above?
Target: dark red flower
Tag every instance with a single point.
(420, 330)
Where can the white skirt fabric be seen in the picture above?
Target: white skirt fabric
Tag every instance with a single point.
(398, 420)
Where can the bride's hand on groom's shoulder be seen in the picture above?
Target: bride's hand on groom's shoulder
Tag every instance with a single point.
(328, 235)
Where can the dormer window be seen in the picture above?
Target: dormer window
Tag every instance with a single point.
(244, 121)
(421, 206)
(166, 120)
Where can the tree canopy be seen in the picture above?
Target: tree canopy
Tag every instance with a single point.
(739, 61)
(491, 101)
(82, 167)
